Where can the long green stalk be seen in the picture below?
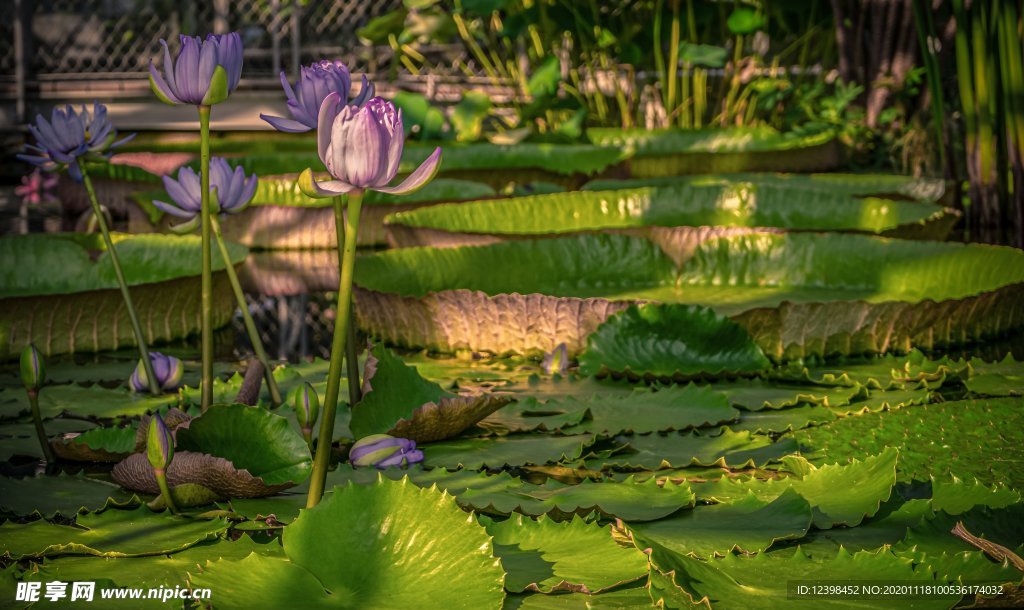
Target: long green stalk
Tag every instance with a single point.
(659, 53)
(165, 490)
(250, 325)
(355, 390)
(140, 340)
(323, 449)
(672, 75)
(206, 304)
(37, 419)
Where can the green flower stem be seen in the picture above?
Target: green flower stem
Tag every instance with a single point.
(165, 491)
(341, 325)
(355, 390)
(250, 326)
(37, 419)
(140, 340)
(207, 282)
(307, 433)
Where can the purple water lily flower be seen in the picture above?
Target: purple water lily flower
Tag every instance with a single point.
(168, 371)
(159, 444)
(231, 188)
(361, 148)
(203, 73)
(69, 136)
(315, 83)
(382, 451)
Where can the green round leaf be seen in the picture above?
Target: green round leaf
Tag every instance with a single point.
(671, 342)
(252, 439)
(395, 545)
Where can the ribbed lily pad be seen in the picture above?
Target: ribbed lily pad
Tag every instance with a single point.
(529, 416)
(746, 523)
(512, 450)
(757, 394)
(105, 444)
(671, 342)
(851, 185)
(761, 581)
(671, 152)
(111, 533)
(391, 544)
(53, 294)
(797, 295)
(145, 572)
(65, 495)
(461, 160)
(92, 401)
(282, 217)
(954, 496)
(773, 421)
(956, 437)
(668, 409)
(397, 401)
(840, 494)
(253, 439)
(726, 448)
(1004, 378)
(548, 556)
(677, 218)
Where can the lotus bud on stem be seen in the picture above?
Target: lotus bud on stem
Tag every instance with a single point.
(306, 403)
(33, 375)
(160, 452)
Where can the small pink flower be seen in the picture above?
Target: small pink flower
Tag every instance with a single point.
(35, 188)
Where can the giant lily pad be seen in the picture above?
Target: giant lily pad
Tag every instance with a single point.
(388, 545)
(677, 218)
(111, 533)
(747, 523)
(797, 295)
(764, 581)
(398, 401)
(852, 185)
(282, 217)
(671, 341)
(724, 448)
(53, 294)
(547, 556)
(232, 450)
(839, 494)
(668, 409)
(671, 152)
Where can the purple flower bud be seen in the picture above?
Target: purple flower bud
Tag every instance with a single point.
(69, 136)
(307, 406)
(232, 188)
(361, 148)
(159, 443)
(33, 369)
(556, 361)
(203, 73)
(383, 451)
(168, 371)
(315, 83)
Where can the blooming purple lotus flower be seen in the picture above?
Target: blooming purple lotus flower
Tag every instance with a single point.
(203, 73)
(383, 451)
(159, 444)
(361, 148)
(168, 371)
(231, 188)
(315, 83)
(69, 136)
